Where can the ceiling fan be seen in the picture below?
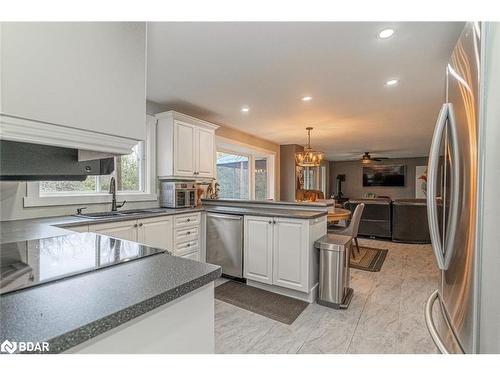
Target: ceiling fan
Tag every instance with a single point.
(367, 158)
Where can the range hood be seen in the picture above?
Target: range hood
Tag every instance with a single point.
(21, 161)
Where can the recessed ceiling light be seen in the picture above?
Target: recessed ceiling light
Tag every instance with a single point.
(306, 98)
(386, 33)
(392, 82)
(245, 109)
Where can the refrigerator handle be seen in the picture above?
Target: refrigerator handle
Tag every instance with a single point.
(452, 225)
(432, 172)
(429, 321)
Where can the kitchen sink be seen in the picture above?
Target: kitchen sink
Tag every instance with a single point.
(102, 215)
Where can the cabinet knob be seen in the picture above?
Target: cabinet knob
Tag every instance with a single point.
(270, 222)
(188, 245)
(188, 220)
(141, 224)
(135, 225)
(274, 221)
(188, 233)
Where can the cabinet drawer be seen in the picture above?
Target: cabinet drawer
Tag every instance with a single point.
(186, 234)
(186, 247)
(187, 220)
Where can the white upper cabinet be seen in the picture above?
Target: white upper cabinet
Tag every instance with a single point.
(185, 146)
(206, 153)
(87, 76)
(185, 154)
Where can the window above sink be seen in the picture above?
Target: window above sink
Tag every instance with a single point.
(134, 173)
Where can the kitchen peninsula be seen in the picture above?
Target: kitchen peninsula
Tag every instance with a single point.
(272, 247)
(151, 302)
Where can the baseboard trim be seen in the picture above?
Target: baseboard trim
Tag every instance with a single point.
(309, 297)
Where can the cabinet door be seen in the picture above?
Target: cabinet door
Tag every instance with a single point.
(184, 148)
(124, 230)
(258, 249)
(205, 156)
(156, 232)
(290, 253)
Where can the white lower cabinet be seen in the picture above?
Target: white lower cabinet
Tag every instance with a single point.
(258, 249)
(154, 232)
(124, 230)
(290, 253)
(187, 228)
(277, 251)
(179, 234)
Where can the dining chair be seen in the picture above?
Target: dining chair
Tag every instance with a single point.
(352, 229)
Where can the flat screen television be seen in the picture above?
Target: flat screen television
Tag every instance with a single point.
(384, 175)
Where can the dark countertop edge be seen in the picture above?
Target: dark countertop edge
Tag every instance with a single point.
(294, 214)
(313, 205)
(84, 333)
(59, 225)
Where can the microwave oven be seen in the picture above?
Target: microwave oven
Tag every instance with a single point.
(177, 194)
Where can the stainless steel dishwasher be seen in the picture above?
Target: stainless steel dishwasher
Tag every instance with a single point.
(225, 243)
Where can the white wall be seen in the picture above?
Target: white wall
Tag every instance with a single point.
(353, 187)
(85, 75)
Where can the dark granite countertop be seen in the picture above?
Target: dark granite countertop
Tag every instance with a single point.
(71, 311)
(271, 212)
(320, 204)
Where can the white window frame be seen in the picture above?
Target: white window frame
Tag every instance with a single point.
(148, 164)
(239, 148)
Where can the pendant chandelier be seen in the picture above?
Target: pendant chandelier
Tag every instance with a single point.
(308, 157)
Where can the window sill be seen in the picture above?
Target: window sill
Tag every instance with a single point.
(68, 199)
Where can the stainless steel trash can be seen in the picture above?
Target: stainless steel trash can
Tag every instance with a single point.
(334, 290)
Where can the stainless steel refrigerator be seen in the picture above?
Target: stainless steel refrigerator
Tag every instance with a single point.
(452, 200)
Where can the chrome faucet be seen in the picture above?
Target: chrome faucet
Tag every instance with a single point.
(112, 190)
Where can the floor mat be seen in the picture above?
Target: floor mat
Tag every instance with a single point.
(368, 259)
(275, 306)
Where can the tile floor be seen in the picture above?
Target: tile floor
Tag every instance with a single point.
(385, 316)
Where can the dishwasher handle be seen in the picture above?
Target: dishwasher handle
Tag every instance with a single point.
(224, 216)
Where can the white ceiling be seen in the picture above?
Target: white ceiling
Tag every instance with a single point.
(211, 70)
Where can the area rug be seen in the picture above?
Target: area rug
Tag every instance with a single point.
(271, 305)
(368, 259)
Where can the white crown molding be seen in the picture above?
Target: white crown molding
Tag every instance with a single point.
(30, 131)
(186, 118)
